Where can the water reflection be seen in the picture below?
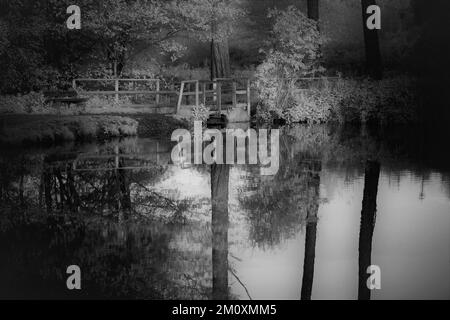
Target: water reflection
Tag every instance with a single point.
(368, 217)
(219, 225)
(311, 229)
(140, 227)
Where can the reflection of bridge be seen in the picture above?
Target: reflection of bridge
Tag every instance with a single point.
(156, 154)
(159, 155)
(227, 96)
(121, 161)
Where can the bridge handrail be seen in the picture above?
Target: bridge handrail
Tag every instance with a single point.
(117, 91)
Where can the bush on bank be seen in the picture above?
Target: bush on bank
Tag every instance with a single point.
(33, 102)
(393, 100)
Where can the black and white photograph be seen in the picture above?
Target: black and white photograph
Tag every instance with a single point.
(255, 151)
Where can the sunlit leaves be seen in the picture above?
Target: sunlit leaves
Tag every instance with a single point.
(209, 19)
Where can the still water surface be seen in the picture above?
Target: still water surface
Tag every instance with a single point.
(161, 231)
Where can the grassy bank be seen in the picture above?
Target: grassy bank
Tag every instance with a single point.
(49, 129)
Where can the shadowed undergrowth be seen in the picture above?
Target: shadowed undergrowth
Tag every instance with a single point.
(49, 130)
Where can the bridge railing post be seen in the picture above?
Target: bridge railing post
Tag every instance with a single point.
(219, 96)
(248, 98)
(180, 96)
(204, 92)
(157, 90)
(116, 157)
(234, 97)
(197, 93)
(116, 89)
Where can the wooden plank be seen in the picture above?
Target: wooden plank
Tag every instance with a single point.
(219, 96)
(116, 89)
(204, 93)
(139, 80)
(114, 79)
(197, 94)
(180, 97)
(157, 90)
(129, 92)
(190, 81)
(234, 98)
(249, 107)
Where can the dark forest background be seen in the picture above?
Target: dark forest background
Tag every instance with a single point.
(37, 51)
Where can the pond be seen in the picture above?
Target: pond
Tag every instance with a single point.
(344, 198)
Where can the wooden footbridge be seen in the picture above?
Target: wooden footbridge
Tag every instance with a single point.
(230, 97)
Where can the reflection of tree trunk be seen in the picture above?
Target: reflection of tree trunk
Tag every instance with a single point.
(73, 194)
(220, 59)
(369, 208)
(21, 198)
(47, 177)
(372, 45)
(61, 185)
(219, 201)
(311, 227)
(123, 193)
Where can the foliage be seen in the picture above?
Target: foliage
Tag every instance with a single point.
(33, 102)
(122, 27)
(294, 45)
(200, 113)
(209, 19)
(393, 100)
(107, 102)
(293, 51)
(38, 51)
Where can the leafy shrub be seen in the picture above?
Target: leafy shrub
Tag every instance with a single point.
(293, 51)
(392, 100)
(33, 102)
(200, 113)
(107, 102)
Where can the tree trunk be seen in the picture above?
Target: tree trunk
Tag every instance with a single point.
(311, 228)
(369, 208)
(374, 66)
(313, 9)
(219, 200)
(220, 59)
